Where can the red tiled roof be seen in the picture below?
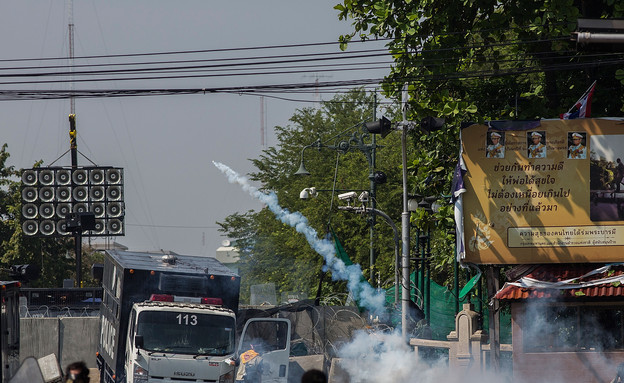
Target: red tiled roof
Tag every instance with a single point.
(554, 273)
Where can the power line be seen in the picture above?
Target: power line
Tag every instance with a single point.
(277, 46)
(7, 95)
(277, 59)
(259, 71)
(194, 67)
(167, 53)
(188, 76)
(280, 67)
(350, 54)
(173, 226)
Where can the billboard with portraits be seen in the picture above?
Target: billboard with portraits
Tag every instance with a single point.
(548, 191)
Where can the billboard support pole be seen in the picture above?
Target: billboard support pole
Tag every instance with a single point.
(493, 285)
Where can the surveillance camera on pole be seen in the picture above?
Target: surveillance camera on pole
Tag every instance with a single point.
(348, 196)
(364, 197)
(307, 193)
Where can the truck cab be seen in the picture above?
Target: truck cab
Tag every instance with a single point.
(171, 341)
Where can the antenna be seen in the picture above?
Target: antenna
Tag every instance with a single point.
(70, 18)
(73, 135)
(263, 134)
(317, 95)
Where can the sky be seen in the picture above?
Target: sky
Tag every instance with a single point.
(166, 144)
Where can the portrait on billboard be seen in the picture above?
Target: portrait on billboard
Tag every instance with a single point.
(537, 144)
(495, 145)
(577, 149)
(557, 195)
(605, 178)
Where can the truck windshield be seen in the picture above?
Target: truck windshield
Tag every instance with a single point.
(186, 332)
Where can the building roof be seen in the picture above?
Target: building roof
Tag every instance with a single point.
(174, 263)
(566, 281)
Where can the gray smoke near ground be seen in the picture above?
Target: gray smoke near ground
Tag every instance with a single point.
(385, 357)
(362, 292)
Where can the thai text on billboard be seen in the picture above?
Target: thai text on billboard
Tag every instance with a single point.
(545, 191)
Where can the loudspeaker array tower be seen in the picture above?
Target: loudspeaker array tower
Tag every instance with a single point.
(50, 194)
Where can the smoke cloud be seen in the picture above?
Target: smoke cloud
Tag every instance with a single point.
(376, 356)
(385, 357)
(362, 292)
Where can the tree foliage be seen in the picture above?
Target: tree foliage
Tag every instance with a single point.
(479, 60)
(510, 59)
(274, 252)
(470, 60)
(17, 249)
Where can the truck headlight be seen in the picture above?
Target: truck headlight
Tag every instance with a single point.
(227, 378)
(140, 374)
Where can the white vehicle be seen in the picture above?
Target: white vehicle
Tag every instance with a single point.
(178, 341)
(263, 351)
(172, 318)
(166, 318)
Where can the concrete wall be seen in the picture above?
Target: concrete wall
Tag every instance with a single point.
(70, 338)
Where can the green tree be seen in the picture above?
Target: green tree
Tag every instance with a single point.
(479, 60)
(15, 248)
(498, 56)
(274, 252)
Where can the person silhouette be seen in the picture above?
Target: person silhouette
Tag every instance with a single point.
(77, 372)
(619, 175)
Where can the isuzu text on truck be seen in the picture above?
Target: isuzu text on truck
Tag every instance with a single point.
(172, 318)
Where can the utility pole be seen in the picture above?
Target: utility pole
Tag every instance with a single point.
(373, 197)
(405, 224)
(73, 135)
(78, 232)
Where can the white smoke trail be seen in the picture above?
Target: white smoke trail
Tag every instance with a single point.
(362, 292)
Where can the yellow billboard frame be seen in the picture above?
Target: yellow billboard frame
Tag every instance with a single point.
(543, 192)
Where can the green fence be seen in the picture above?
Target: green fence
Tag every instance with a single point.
(442, 303)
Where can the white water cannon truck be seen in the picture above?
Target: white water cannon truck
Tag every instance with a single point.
(172, 318)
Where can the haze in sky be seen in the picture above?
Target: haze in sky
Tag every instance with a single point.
(166, 144)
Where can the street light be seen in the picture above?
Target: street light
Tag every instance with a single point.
(302, 170)
(345, 142)
(427, 124)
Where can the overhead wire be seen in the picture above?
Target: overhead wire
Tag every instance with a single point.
(376, 39)
(274, 60)
(284, 70)
(280, 67)
(370, 52)
(19, 94)
(265, 71)
(136, 180)
(167, 53)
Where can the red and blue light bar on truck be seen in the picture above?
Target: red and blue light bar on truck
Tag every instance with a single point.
(178, 298)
